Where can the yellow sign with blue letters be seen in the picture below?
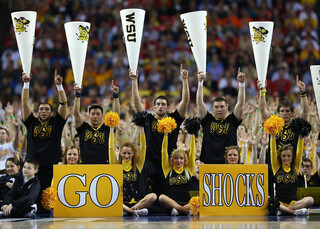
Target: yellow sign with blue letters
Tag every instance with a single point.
(233, 190)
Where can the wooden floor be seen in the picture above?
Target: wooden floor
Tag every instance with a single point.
(168, 222)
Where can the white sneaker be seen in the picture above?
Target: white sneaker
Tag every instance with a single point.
(174, 212)
(32, 213)
(142, 211)
(301, 212)
(279, 213)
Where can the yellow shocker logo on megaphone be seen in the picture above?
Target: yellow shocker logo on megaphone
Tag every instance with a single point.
(259, 34)
(21, 24)
(83, 33)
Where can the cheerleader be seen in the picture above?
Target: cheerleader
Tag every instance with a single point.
(232, 155)
(178, 172)
(135, 174)
(286, 167)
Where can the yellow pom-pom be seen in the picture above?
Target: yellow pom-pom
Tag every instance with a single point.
(195, 205)
(49, 198)
(112, 119)
(273, 125)
(167, 125)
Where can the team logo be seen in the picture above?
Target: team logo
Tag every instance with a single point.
(259, 34)
(21, 24)
(83, 33)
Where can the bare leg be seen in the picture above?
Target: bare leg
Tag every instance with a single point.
(167, 202)
(286, 209)
(305, 202)
(146, 202)
(127, 209)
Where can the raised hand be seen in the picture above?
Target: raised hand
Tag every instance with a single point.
(241, 77)
(300, 84)
(200, 75)
(183, 72)
(264, 140)
(25, 78)
(57, 78)
(114, 88)
(77, 88)
(133, 76)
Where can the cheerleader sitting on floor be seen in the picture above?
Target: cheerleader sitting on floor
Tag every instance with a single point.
(286, 167)
(134, 174)
(178, 172)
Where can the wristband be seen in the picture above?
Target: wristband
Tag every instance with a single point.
(249, 115)
(26, 85)
(63, 103)
(11, 117)
(275, 112)
(59, 87)
(77, 94)
(115, 96)
(303, 93)
(257, 110)
(263, 92)
(242, 84)
(200, 83)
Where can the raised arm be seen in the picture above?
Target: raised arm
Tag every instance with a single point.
(135, 92)
(192, 156)
(262, 102)
(304, 99)
(140, 159)
(201, 106)
(26, 109)
(116, 100)
(165, 158)
(76, 107)
(62, 98)
(299, 154)
(112, 153)
(274, 160)
(241, 77)
(183, 105)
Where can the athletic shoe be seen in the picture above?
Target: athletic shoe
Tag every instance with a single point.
(174, 212)
(142, 211)
(279, 213)
(301, 212)
(32, 213)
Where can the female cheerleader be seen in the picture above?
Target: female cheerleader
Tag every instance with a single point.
(134, 174)
(71, 156)
(232, 155)
(177, 172)
(286, 167)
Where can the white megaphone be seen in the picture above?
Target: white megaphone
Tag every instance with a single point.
(132, 25)
(195, 26)
(77, 34)
(261, 37)
(24, 24)
(315, 75)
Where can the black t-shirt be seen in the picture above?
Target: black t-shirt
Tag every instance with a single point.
(313, 182)
(154, 138)
(285, 136)
(94, 144)
(218, 134)
(44, 139)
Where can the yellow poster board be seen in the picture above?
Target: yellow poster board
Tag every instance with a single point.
(88, 190)
(233, 190)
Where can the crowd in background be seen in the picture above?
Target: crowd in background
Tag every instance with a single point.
(295, 46)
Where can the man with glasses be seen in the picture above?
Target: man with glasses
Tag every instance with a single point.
(306, 179)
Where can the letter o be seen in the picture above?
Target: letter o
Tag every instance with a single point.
(114, 192)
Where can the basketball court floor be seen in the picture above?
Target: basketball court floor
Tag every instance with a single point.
(168, 222)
